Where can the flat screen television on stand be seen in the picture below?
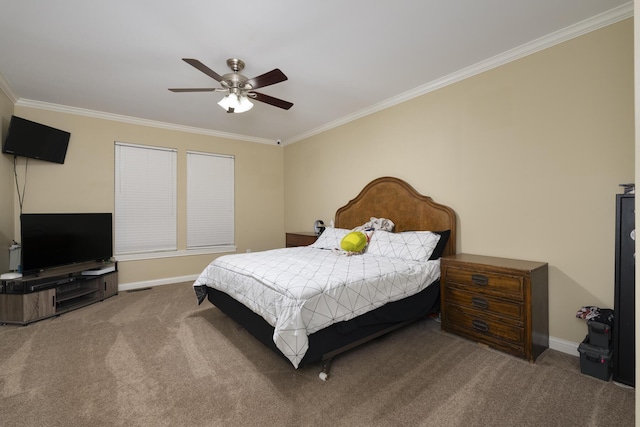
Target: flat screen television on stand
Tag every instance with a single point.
(56, 239)
(37, 141)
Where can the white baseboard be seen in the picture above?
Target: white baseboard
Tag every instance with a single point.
(156, 282)
(564, 346)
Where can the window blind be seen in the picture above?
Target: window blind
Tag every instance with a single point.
(145, 199)
(210, 200)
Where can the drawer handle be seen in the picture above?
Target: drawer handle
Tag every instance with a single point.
(479, 279)
(479, 303)
(599, 328)
(593, 358)
(480, 325)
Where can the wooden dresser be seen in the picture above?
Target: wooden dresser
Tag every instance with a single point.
(300, 239)
(500, 302)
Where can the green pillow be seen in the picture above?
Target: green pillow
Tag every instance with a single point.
(354, 242)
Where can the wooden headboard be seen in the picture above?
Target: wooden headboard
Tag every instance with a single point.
(394, 199)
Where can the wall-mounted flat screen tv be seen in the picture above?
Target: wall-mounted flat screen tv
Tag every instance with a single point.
(37, 141)
(56, 239)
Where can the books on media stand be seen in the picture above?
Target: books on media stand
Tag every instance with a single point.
(99, 270)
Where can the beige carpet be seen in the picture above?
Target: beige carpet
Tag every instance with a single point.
(155, 358)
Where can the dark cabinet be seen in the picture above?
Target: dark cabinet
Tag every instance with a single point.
(56, 291)
(624, 359)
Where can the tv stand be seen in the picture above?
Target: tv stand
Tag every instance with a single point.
(53, 292)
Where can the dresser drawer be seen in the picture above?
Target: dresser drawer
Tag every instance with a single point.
(484, 328)
(486, 282)
(483, 303)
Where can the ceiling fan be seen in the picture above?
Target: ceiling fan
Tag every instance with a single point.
(238, 87)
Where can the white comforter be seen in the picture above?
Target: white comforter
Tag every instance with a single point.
(302, 290)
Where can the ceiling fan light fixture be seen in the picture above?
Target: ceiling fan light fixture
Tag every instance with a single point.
(243, 104)
(227, 102)
(239, 89)
(235, 103)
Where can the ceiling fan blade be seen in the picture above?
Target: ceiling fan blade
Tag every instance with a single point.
(200, 66)
(271, 100)
(195, 89)
(270, 78)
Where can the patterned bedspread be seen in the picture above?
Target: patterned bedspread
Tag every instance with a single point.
(304, 289)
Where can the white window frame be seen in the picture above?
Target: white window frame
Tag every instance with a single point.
(210, 202)
(145, 201)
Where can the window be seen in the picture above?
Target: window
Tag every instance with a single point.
(210, 201)
(145, 199)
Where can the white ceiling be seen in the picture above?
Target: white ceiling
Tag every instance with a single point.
(344, 58)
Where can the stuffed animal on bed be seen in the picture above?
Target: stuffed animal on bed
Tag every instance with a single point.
(357, 240)
(376, 224)
(354, 242)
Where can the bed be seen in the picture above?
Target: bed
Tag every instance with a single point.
(309, 304)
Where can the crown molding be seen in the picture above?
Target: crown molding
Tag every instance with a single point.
(8, 90)
(599, 21)
(135, 120)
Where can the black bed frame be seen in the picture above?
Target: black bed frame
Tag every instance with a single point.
(327, 343)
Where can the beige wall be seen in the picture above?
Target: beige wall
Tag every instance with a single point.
(85, 183)
(6, 186)
(529, 155)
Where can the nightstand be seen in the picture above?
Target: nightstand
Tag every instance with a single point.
(500, 302)
(300, 239)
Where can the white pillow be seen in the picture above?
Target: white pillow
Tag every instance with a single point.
(330, 238)
(409, 245)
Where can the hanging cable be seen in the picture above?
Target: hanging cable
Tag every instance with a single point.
(24, 185)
